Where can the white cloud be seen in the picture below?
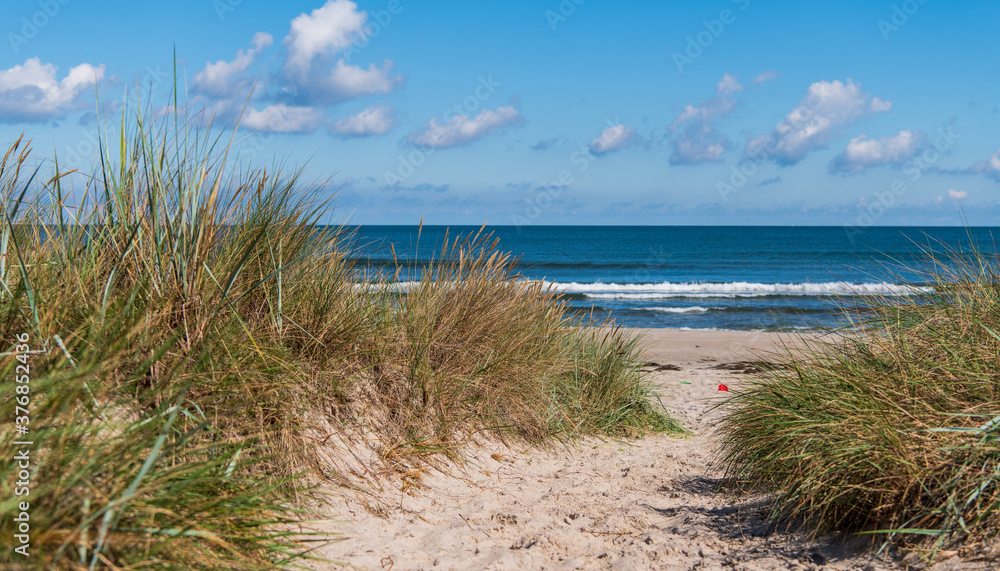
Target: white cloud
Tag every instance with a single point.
(461, 129)
(766, 76)
(316, 36)
(879, 105)
(347, 81)
(714, 107)
(700, 142)
(994, 162)
(953, 195)
(31, 92)
(728, 85)
(372, 121)
(612, 139)
(312, 77)
(327, 29)
(221, 77)
(282, 118)
(989, 167)
(827, 108)
(862, 153)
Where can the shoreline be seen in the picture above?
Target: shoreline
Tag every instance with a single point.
(691, 346)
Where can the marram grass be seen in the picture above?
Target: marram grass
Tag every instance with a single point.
(193, 328)
(892, 426)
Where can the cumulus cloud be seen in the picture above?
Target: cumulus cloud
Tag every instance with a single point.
(728, 85)
(264, 117)
(346, 81)
(766, 76)
(222, 77)
(372, 121)
(461, 129)
(31, 93)
(312, 77)
(862, 153)
(612, 139)
(699, 141)
(826, 110)
(313, 41)
(994, 162)
(699, 144)
(327, 29)
(989, 167)
(282, 118)
(953, 195)
(714, 107)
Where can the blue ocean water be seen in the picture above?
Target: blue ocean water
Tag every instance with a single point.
(698, 277)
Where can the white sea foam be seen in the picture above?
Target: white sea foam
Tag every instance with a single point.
(403, 286)
(653, 296)
(692, 309)
(707, 290)
(732, 289)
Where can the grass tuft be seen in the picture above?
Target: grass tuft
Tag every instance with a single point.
(890, 426)
(204, 353)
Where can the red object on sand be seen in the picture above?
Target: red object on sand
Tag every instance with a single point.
(724, 388)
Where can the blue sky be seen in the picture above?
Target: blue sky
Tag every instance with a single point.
(553, 112)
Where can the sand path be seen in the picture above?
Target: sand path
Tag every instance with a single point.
(651, 503)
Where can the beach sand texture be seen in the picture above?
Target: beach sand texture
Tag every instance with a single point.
(650, 503)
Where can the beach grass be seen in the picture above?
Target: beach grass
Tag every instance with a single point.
(893, 425)
(197, 337)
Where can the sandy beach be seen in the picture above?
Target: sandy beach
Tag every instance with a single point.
(649, 503)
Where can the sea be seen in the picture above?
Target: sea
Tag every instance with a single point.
(758, 278)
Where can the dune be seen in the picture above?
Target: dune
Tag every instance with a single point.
(653, 502)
